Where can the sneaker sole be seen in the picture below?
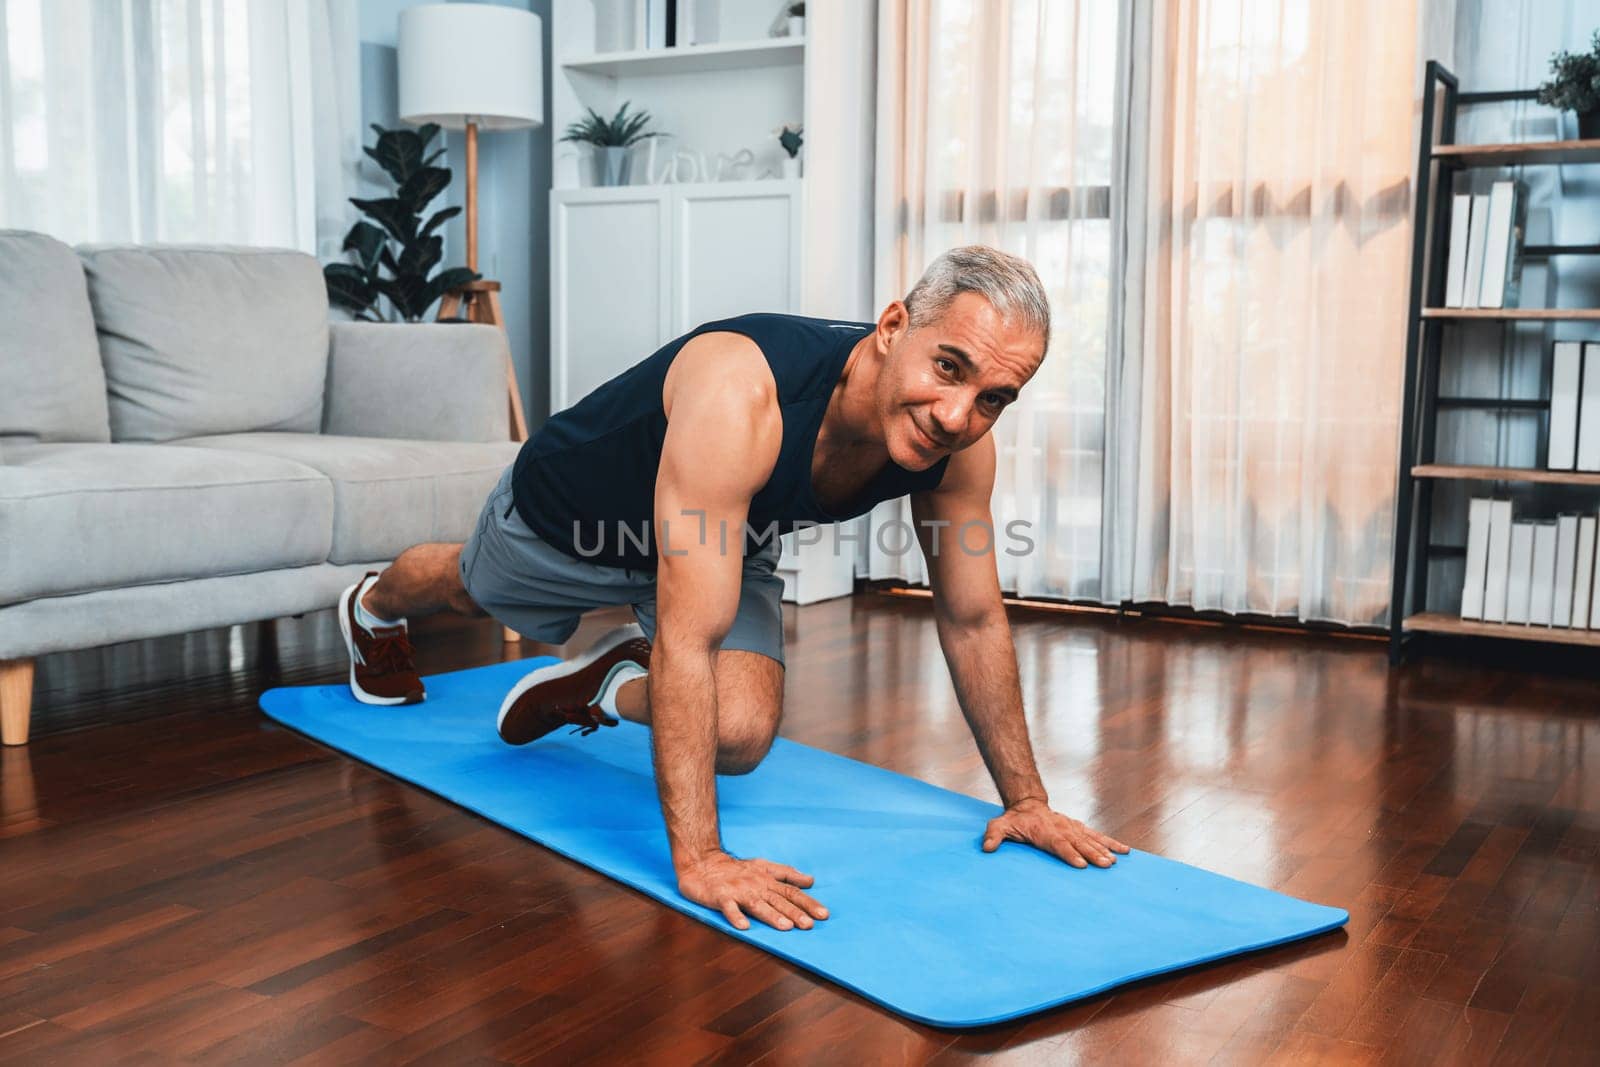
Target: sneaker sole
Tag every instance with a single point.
(518, 726)
(350, 647)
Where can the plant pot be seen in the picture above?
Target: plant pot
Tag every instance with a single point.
(611, 164)
(797, 25)
(1589, 125)
(791, 166)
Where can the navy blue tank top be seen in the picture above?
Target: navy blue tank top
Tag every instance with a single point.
(586, 481)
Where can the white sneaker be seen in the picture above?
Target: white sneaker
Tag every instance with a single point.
(381, 671)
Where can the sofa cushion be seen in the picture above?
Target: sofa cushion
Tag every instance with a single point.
(51, 385)
(209, 339)
(388, 494)
(80, 517)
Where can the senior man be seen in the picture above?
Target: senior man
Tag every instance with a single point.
(666, 488)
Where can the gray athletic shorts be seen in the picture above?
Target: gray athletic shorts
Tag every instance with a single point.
(541, 592)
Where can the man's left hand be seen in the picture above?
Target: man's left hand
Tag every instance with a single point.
(1033, 823)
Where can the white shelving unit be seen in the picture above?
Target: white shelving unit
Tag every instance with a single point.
(692, 59)
(634, 266)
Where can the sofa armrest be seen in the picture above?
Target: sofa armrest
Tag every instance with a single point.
(422, 381)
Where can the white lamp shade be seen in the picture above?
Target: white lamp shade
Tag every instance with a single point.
(477, 62)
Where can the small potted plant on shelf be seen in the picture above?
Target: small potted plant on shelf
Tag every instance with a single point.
(612, 141)
(1575, 86)
(797, 18)
(790, 138)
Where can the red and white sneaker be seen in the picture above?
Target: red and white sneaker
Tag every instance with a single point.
(381, 671)
(573, 692)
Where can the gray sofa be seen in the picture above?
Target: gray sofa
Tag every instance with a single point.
(187, 441)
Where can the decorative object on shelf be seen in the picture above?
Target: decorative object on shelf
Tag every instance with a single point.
(686, 165)
(682, 166)
(397, 224)
(789, 20)
(470, 67)
(1575, 86)
(734, 168)
(791, 138)
(612, 141)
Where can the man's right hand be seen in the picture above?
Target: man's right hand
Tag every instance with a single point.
(768, 891)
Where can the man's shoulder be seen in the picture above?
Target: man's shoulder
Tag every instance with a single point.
(729, 367)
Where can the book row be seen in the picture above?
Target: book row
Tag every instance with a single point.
(1484, 265)
(1538, 573)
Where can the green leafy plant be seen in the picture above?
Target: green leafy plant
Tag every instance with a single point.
(790, 138)
(1575, 85)
(797, 10)
(394, 252)
(621, 131)
(618, 131)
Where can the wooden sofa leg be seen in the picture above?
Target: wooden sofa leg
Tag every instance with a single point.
(16, 699)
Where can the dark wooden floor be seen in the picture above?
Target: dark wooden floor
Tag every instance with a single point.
(182, 880)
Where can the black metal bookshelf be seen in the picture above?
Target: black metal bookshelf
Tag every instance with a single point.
(1419, 470)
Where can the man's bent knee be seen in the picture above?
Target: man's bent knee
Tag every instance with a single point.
(743, 751)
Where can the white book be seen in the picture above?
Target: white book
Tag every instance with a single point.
(1477, 245)
(1500, 246)
(1497, 570)
(656, 27)
(1519, 582)
(1565, 366)
(697, 21)
(1594, 592)
(1589, 411)
(1477, 556)
(1566, 569)
(1456, 266)
(1542, 585)
(1583, 578)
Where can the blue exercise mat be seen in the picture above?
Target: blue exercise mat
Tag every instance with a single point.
(921, 920)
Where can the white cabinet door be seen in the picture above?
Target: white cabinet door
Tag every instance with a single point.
(610, 284)
(737, 250)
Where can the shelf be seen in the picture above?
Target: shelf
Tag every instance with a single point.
(1547, 251)
(1505, 474)
(1492, 403)
(694, 58)
(1439, 623)
(1506, 155)
(1524, 314)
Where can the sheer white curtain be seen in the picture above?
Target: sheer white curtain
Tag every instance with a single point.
(1268, 181)
(995, 126)
(180, 120)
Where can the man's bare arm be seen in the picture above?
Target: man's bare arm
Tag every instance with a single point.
(724, 429)
(956, 529)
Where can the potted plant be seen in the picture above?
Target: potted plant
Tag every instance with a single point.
(797, 18)
(790, 138)
(1575, 86)
(611, 141)
(394, 257)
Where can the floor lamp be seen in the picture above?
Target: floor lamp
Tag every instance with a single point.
(473, 67)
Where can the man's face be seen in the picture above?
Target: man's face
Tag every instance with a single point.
(945, 383)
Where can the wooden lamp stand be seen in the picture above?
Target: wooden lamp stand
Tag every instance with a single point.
(481, 299)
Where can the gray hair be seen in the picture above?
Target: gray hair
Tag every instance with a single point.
(1008, 282)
